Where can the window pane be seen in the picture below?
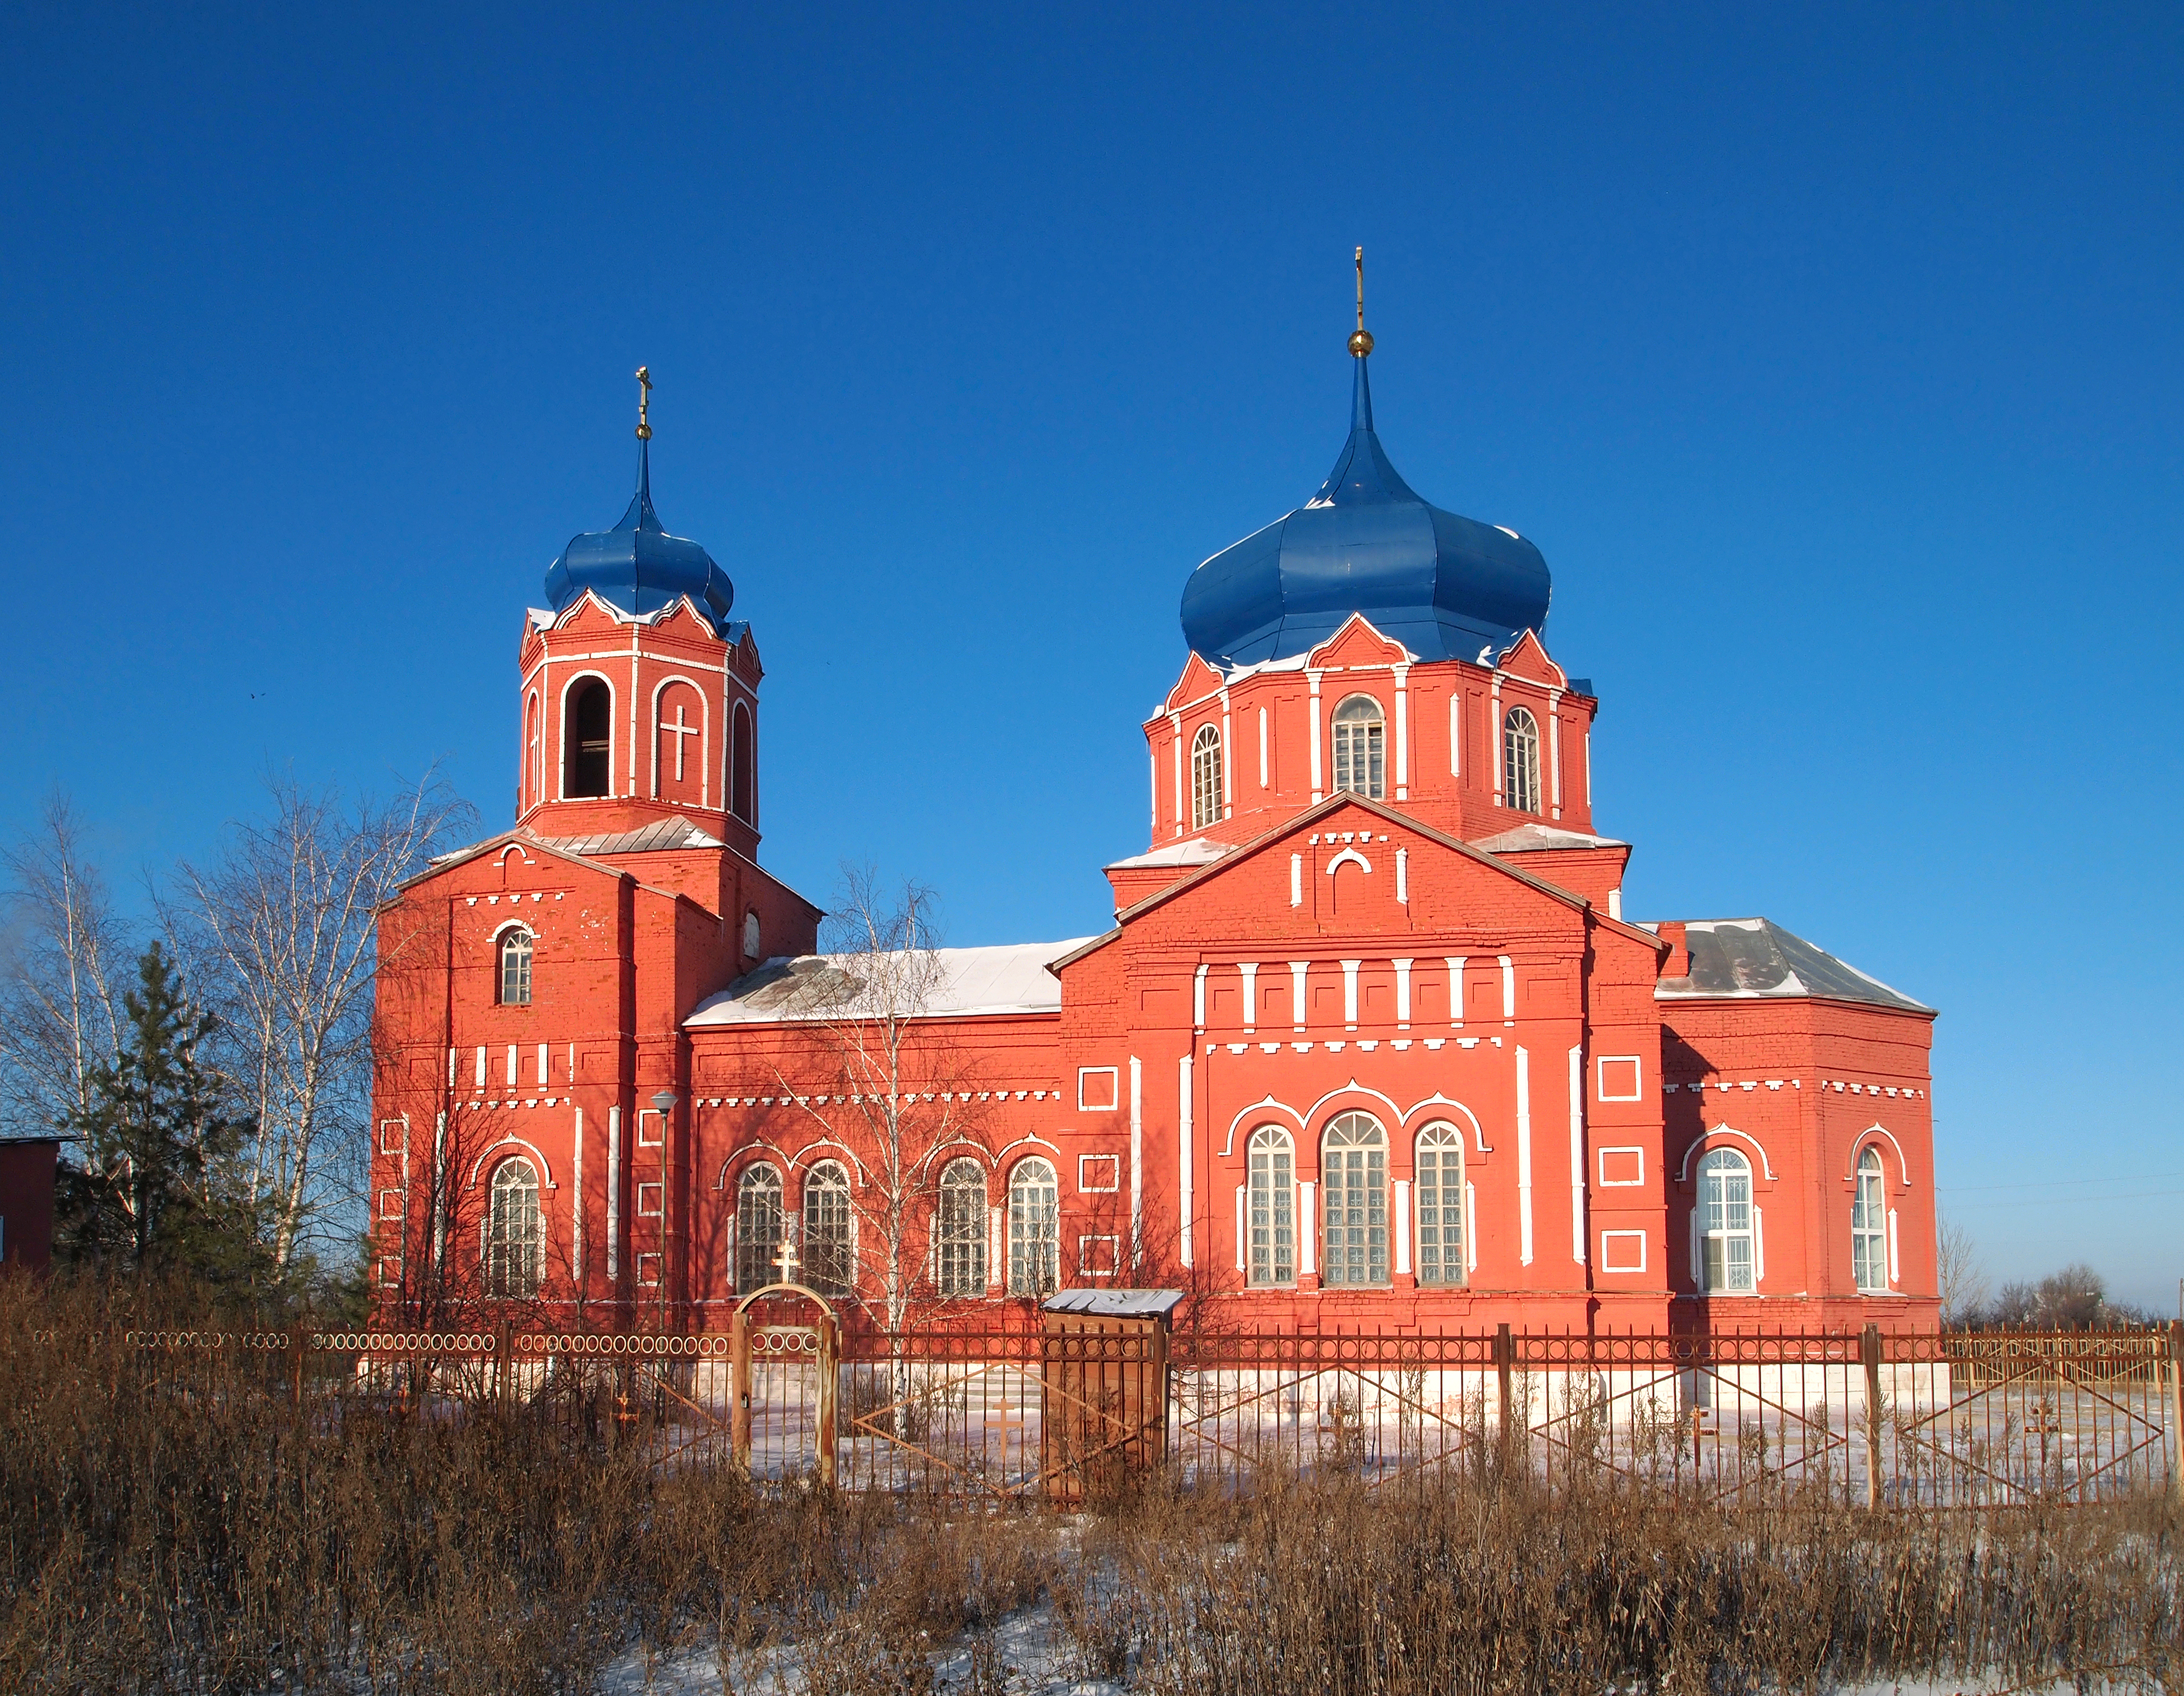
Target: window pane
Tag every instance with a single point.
(757, 1229)
(959, 1231)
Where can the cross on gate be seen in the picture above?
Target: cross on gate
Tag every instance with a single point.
(678, 730)
(785, 1257)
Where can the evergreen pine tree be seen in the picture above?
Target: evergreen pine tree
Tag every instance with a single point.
(152, 1193)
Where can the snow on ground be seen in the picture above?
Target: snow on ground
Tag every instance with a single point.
(1036, 1655)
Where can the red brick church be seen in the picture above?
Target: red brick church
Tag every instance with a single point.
(1371, 1043)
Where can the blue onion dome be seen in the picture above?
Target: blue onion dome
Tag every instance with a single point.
(1447, 588)
(637, 565)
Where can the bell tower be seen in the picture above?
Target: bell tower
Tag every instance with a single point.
(640, 707)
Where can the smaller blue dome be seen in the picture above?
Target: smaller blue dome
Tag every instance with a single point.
(637, 565)
(1447, 588)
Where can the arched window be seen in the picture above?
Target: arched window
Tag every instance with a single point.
(758, 1227)
(1439, 1196)
(515, 979)
(1361, 747)
(1206, 777)
(753, 938)
(1354, 1165)
(1273, 1207)
(739, 762)
(1034, 1230)
(830, 1255)
(1520, 760)
(959, 1230)
(587, 740)
(1726, 1262)
(514, 1240)
(1868, 1225)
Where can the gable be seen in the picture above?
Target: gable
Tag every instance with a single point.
(1198, 681)
(1357, 644)
(590, 615)
(1349, 869)
(1528, 658)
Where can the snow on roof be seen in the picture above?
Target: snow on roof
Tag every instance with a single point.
(1527, 837)
(1011, 977)
(1114, 1304)
(1737, 958)
(1200, 851)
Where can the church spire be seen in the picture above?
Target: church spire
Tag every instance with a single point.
(644, 436)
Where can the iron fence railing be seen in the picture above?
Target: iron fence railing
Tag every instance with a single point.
(1017, 1409)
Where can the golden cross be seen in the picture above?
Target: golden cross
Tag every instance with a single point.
(644, 386)
(1361, 339)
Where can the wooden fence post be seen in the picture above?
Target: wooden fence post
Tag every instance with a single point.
(830, 1380)
(297, 1341)
(1868, 1345)
(739, 1391)
(504, 1354)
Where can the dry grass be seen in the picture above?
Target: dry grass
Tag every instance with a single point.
(163, 1537)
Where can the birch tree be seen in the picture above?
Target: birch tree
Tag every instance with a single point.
(280, 931)
(898, 1095)
(65, 964)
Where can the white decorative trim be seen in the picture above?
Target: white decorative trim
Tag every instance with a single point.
(1109, 1188)
(509, 1140)
(1609, 1183)
(1766, 1166)
(1902, 1167)
(1602, 1061)
(1257, 1109)
(1524, 1156)
(1115, 1095)
(1607, 1265)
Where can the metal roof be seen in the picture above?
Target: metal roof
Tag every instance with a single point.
(1445, 587)
(1200, 851)
(1527, 838)
(637, 567)
(1114, 1304)
(660, 837)
(1737, 958)
(1012, 978)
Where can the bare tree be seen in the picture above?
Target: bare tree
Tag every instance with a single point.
(900, 1093)
(61, 1017)
(281, 931)
(1959, 1273)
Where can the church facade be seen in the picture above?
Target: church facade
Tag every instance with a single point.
(1371, 1044)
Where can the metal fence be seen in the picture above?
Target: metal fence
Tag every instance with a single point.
(1021, 1409)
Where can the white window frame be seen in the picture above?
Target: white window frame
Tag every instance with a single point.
(1372, 781)
(1086, 1187)
(1026, 1245)
(828, 1178)
(1447, 1138)
(1206, 758)
(1609, 1183)
(1520, 760)
(499, 1242)
(1378, 1267)
(1728, 1162)
(1868, 1223)
(765, 1266)
(960, 1249)
(1265, 1271)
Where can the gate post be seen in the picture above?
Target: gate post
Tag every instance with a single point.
(739, 1391)
(297, 1341)
(1505, 1357)
(1869, 1347)
(2176, 1411)
(830, 1378)
(504, 1350)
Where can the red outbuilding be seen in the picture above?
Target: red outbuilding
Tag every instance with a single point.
(1370, 1044)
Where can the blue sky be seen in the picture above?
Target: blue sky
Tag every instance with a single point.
(1831, 355)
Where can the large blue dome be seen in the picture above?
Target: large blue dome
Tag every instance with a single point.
(1447, 588)
(637, 565)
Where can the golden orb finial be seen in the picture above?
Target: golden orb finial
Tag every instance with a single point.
(643, 401)
(1361, 339)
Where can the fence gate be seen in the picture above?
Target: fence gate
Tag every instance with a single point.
(784, 1361)
(1103, 1389)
